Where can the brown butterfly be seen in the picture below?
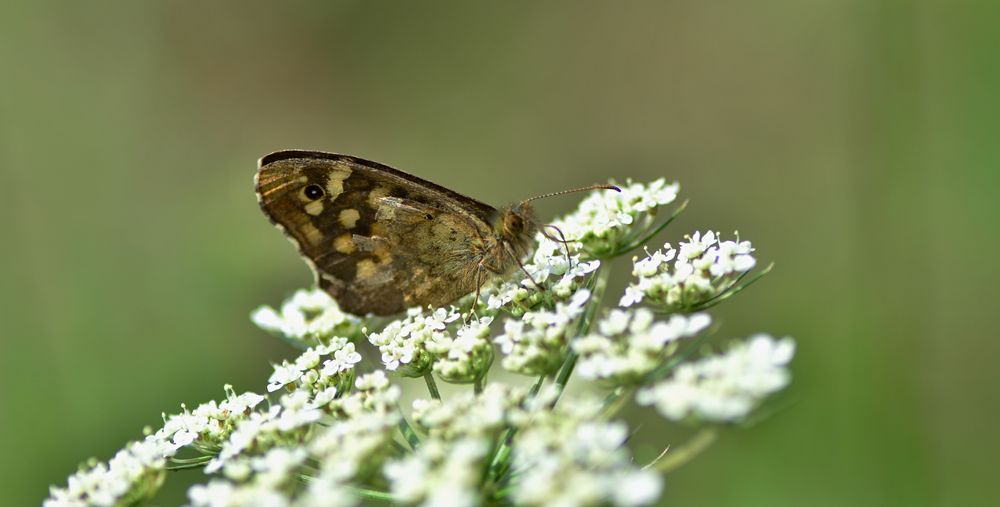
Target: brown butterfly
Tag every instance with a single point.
(380, 240)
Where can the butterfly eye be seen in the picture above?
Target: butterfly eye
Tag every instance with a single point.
(514, 223)
(313, 192)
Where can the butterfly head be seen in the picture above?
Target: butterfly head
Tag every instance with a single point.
(517, 225)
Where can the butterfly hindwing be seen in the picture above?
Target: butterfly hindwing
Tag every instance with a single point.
(378, 240)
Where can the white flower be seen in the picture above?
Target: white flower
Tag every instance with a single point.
(243, 436)
(403, 343)
(548, 268)
(219, 493)
(291, 419)
(305, 372)
(466, 357)
(704, 268)
(323, 398)
(563, 460)
(134, 472)
(605, 220)
(263, 430)
(440, 474)
(725, 387)
(276, 466)
(536, 344)
(343, 359)
(374, 380)
(630, 344)
(468, 415)
(637, 488)
(283, 375)
(308, 314)
(324, 493)
(242, 403)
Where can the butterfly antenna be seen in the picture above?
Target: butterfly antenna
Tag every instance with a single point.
(582, 189)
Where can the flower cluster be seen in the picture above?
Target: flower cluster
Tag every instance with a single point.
(440, 473)
(466, 357)
(482, 416)
(136, 472)
(311, 374)
(263, 456)
(724, 387)
(571, 457)
(701, 270)
(132, 476)
(557, 272)
(307, 318)
(332, 431)
(536, 344)
(403, 343)
(630, 344)
(606, 222)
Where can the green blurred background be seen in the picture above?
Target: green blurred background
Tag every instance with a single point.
(853, 141)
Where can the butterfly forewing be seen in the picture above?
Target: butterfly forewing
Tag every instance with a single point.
(378, 239)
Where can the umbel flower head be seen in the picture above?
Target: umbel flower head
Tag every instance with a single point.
(309, 317)
(701, 272)
(328, 427)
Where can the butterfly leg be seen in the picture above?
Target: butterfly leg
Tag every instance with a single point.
(479, 286)
(526, 273)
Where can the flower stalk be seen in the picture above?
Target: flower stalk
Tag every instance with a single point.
(672, 459)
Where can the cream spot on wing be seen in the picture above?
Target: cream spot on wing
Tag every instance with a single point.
(349, 217)
(383, 254)
(344, 243)
(378, 230)
(376, 194)
(311, 233)
(366, 269)
(334, 188)
(314, 208)
(335, 183)
(340, 172)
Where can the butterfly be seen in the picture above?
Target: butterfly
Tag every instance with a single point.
(380, 240)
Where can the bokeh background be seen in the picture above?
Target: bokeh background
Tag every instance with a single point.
(853, 141)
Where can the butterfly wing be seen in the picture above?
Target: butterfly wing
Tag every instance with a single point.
(378, 240)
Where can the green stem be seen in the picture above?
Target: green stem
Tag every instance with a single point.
(432, 386)
(372, 494)
(402, 450)
(498, 465)
(500, 495)
(636, 244)
(197, 459)
(186, 466)
(616, 400)
(731, 290)
(500, 462)
(537, 386)
(562, 378)
(670, 460)
(477, 387)
(407, 431)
